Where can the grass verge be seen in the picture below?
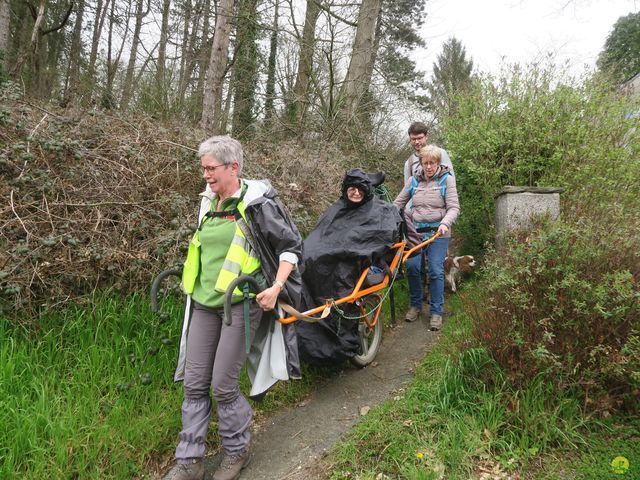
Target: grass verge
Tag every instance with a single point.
(90, 394)
(462, 419)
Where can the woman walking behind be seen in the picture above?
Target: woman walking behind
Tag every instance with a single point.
(244, 229)
(435, 207)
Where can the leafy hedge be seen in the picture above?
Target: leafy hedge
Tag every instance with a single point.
(563, 297)
(535, 127)
(563, 302)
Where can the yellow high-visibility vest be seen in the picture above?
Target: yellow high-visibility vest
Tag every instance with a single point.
(240, 259)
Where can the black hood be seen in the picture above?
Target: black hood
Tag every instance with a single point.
(356, 177)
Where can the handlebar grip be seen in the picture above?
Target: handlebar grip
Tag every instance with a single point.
(228, 295)
(156, 285)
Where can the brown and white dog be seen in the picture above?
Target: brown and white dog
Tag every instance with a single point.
(454, 267)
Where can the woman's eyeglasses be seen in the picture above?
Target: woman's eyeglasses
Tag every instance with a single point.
(211, 169)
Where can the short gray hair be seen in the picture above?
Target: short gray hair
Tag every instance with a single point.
(224, 148)
(432, 152)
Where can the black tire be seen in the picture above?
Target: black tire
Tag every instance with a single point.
(370, 337)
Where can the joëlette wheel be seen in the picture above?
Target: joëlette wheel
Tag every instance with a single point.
(369, 331)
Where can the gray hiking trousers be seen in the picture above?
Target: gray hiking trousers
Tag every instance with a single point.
(215, 356)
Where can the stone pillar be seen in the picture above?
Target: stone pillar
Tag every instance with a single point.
(516, 206)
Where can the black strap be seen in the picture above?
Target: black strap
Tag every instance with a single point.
(222, 214)
(229, 214)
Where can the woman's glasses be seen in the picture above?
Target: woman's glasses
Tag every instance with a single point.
(211, 169)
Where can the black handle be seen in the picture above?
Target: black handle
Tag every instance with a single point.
(156, 285)
(228, 295)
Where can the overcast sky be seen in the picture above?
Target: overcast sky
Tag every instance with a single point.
(521, 30)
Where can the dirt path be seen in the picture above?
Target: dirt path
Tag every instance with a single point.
(292, 441)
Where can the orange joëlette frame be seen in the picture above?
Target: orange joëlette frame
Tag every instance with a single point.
(400, 256)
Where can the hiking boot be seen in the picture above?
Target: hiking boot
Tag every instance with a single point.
(435, 323)
(194, 470)
(231, 466)
(412, 314)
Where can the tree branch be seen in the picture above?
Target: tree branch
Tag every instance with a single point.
(32, 9)
(334, 15)
(62, 23)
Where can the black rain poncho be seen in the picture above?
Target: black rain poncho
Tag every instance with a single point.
(347, 239)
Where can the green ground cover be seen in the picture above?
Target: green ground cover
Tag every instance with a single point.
(460, 419)
(90, 393)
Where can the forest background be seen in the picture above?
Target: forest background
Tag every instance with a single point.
(103, 104)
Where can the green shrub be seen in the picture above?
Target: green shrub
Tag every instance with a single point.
(534, 127)
(563, 297)
(563, 302)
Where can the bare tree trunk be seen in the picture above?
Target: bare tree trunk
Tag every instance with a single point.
(297, 108)
(127, 88)
(271, 69)
(212, 95)
(5, 17)
(35, 33)
(185, 56)
(75, 53)
(107, 96)
(20, 36)
(205, 51)
(190, 59)
(224, 119)
(368, 74)
(50, 53)
(101, 13)
(358, 78)
(245, 69)
(28, 53)
(162, 51)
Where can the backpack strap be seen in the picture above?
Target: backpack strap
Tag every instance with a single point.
(443, 184)
(412, 187)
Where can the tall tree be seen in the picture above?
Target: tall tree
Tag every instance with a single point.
(358, 78)
(270, 89)
(102, 7)
(32, 53)
(212, 95)
(620, 56)
(298, 102)
(113, 59)
(127, 87)
(75, 55)
(398, 35)
(451, 74)
(190, 31)
(245, 69)
(162, 52)
(5, 16)
(204, 52)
